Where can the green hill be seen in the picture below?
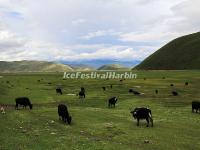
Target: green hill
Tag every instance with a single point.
(112, 67)
(33, 66)
(179, 54)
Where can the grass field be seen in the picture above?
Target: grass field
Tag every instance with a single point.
(95, 126)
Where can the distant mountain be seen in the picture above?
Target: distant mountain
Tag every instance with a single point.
(96, 63)
(81, 67)
(113, 67)
(33, 66)
(179, 54)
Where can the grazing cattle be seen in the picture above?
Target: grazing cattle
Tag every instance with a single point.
(171, 84)
(134, 92)
(81, 94)
(174, 93)
(195, 106)
(163, 77)
(38, 80)
(142, 113)
(112, 101)
(144, 78)
(49, 83)
(156, 91)
(104, 88)
(111, 86)
(64, 114)
(121, 80)
(24, 101)
(59, 91)
(186, 83)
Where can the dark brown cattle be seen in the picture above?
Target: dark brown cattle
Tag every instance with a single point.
(142, 113)
(64, 114)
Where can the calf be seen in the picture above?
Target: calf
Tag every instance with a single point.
(104, 88)
(195, 106)
(24, 101)
(142, 113)
(112, 101)
(64, 114)
(81, 94)
(174, 93)
(59, 91)
(156, 91)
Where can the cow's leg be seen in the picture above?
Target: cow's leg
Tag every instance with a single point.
(16, 106)
(147, 119)
(65, 119)
(151, 121)
(138, 121)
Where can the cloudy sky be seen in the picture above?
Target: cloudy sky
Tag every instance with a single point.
(92, 29)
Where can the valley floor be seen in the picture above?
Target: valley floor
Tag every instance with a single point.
(94, 125)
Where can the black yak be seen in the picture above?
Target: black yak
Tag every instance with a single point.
(174, 93)
(186, 83)
(81, 94)
(24, 101)
(112, 101)
(111, 86)
(195, 106)
(171, 84)
(104, 88)
(59, 91)
(142, 113)
(156, 91)
(64, 114)
(134, 92)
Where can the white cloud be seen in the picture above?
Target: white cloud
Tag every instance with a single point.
(37, 29)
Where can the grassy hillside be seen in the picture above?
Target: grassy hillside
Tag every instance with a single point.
(95, 126)
(181, 53)
(112, 67)
(32, 66)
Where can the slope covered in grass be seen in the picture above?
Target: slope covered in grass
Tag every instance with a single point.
(181, 53)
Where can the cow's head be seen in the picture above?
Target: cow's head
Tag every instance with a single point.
(134, 112)
(31, 106)
(69, 119)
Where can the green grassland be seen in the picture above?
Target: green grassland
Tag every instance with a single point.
(95, 126)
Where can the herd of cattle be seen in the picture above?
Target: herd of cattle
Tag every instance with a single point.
(137, 113)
